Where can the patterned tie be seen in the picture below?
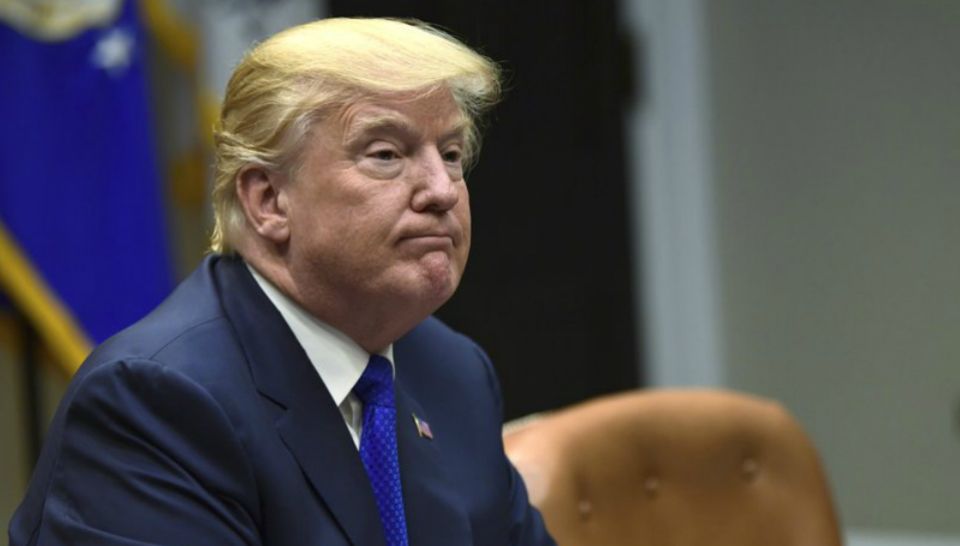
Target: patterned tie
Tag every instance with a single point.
(378, 446)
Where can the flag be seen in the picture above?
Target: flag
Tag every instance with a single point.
(83, 246)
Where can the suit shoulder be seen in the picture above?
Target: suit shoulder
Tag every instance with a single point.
(167, 342)
(435, 332)
(188, 326)
(435, 354)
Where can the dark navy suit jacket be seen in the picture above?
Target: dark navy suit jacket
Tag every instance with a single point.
(205, 423)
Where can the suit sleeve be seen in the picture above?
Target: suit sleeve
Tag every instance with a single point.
(526, 523)
(147, 456)
(526, 527)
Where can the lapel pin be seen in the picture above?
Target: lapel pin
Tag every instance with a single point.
(423, 427)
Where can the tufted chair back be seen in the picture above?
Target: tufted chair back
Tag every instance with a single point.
(675, 468)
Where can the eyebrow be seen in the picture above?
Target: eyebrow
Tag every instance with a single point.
(390, 123)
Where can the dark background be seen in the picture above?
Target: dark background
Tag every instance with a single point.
(548, 291)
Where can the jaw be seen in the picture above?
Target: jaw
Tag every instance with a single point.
(419, 286)
(380, 311)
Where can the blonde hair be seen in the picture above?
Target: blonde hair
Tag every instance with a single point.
(283, 86)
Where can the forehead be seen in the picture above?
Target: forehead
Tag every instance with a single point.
(434, 114)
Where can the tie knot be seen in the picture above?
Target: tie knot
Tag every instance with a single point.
(375, 386)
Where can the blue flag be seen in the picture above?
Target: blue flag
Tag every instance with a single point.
(83, 248)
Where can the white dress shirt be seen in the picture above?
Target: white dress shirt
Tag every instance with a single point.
(338, 359)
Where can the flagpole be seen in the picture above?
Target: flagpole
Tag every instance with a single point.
(33, 410)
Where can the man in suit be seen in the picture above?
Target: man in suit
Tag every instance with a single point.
(294, 389)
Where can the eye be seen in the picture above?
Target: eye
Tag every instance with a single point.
(382, 159)
(453, 156)
(384, 155)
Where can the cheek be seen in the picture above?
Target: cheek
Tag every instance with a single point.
(463, 211)
(463, 216)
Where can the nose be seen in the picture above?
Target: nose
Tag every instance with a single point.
(436, 186)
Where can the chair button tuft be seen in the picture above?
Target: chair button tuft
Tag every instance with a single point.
(585, 508)
(750, 468)
(651, 486)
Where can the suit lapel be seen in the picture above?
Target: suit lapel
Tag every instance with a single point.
(325, 452)
(310, 424)
(435, 514)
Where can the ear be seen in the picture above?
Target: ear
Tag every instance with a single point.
(264, 201)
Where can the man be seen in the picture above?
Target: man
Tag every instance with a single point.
(294, 389)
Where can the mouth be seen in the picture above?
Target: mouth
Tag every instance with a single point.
(446, 234)
(428, 241)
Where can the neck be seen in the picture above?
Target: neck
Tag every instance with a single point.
(373, 325)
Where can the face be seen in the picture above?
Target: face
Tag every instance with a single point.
(379, 214)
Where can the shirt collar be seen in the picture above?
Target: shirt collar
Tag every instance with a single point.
(338, 359)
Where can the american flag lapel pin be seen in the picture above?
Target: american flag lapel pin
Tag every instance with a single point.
(423, 427)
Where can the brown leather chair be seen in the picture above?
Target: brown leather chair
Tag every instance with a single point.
(679, 467)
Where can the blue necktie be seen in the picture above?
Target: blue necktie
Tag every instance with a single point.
(378, 446)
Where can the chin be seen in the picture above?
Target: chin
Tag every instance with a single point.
(437, 291)
(424, 284)
(436, 286)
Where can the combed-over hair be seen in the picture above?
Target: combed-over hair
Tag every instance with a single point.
(284, 85)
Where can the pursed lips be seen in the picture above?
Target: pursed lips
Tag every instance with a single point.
(437, 237)
(428, 237)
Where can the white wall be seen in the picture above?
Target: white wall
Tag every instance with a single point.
(673, 196)
(830, 197)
